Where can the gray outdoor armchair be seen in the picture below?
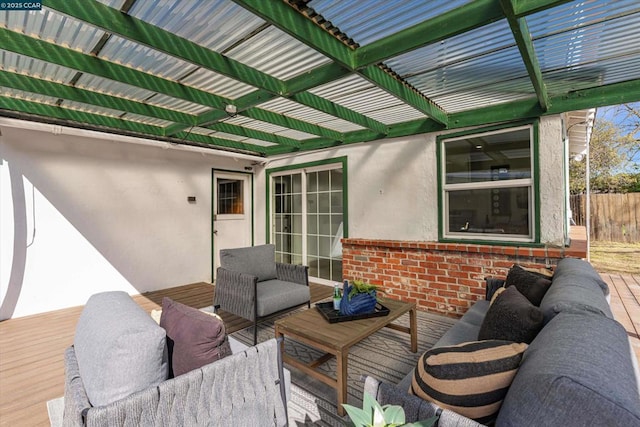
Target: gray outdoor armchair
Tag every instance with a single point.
(252, 285)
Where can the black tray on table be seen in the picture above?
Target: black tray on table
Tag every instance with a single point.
(334, 316)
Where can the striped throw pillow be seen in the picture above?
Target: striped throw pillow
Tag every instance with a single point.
(470, 378)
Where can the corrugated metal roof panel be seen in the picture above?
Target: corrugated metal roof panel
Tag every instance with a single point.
(476, 72)
(53, 27)
(217, 83)
(308, 114)
(578, 14)
(588, 43)
(146, 120)
(360, 95)
(396, 114)
(140, 57)
(296, 134)
(342, 87)
(278, 54)
(111, 87)
(255, 124)
(73, 105)
(172, 103)
(478, 42)
(366, 21)
(215, 24)
(487, 95)
(34, 67)
(340, 125)
(27, 96)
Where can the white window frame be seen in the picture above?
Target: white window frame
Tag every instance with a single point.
(483, 185)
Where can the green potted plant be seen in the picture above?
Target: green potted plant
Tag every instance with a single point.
(374, 415)
(359, 298)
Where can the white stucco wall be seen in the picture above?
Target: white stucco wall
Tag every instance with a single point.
(552, 182)
(392, 187)
(82, 215)
(393, 191)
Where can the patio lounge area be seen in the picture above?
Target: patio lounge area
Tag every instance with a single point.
(31, 348)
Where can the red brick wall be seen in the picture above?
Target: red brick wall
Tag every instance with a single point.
(441, 277)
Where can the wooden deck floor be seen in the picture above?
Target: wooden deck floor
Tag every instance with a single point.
(32, 347)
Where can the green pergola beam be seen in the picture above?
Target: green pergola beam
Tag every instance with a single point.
(472, 15)
(522, 35)
(50, 52)
(397, 88)
(294, 23)
(115, 22)
(527, 7)
(300, 27)
(112, 124)
(255, 134)
(71, 93)
(336, 110)
(613, 94)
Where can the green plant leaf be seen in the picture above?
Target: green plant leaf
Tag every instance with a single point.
(394, 414)
(359, 417)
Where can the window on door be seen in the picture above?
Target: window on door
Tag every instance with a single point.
(308, 219)
(230, 197)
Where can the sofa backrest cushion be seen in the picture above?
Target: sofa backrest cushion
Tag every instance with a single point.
(577, 372)
(257, 261)
(511, 317)
(119, 348)
(470, 378)
(575, 284)
(531, 285)
(194, 338)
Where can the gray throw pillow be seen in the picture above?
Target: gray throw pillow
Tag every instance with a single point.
(532, 285)
(119, 348)
(194, 338)
(511, 317)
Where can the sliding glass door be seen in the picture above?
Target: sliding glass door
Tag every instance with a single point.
(307, 219)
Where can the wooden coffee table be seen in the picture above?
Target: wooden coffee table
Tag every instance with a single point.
(310, 327)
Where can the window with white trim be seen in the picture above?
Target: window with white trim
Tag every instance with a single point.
(488, 186)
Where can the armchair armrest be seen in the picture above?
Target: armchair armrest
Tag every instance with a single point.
(293, 273)
(235, 292)
(415, 408)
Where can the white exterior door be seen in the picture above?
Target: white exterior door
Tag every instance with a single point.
(232, 213)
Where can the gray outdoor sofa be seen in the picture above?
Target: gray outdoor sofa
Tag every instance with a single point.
(116, 374)
(578, 371)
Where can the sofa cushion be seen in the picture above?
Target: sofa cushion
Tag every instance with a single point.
(259, 261)
(577, 372)
(194, 338)
(119, 348)
(511, 317)
(575, 284)
(531, 285)
(276, 295)
(470, 378)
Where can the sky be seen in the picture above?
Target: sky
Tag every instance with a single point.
(618, 115)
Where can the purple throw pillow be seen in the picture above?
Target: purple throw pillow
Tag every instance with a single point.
(194, 338)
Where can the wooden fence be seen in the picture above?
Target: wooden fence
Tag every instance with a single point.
(614, 217)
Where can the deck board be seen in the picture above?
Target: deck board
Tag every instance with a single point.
(32, 347)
